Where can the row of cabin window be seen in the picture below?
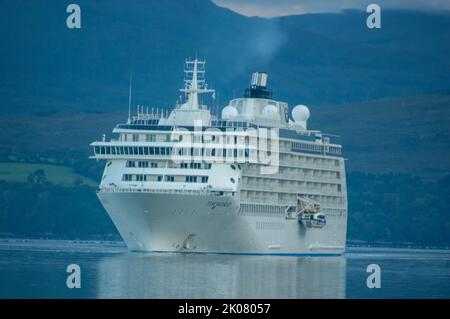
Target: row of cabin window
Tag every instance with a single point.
(146, 164)
(141, 164)
(145, 137)
(133, 150)
(315, 148)
(308, 147)
(169, 138)
(196, 165)
(334, 150)
(160, 178)
(308, 160)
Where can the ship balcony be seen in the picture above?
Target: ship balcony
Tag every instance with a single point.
(302, 164)
(167, 148)
(297, 178)
(286, 190)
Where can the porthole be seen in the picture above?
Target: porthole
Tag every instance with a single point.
(233, 167)
(232, 180)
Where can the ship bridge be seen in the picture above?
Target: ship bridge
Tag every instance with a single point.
(257, 106)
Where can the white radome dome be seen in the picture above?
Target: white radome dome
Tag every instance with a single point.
(300, 113)
(270, 111)
(229, 112)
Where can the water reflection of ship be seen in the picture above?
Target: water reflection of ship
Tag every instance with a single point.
(208, 276)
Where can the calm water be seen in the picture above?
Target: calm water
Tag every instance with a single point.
(38, 270)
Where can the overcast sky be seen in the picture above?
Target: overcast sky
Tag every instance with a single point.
(273, 8)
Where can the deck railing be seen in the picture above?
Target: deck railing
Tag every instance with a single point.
(165, 191)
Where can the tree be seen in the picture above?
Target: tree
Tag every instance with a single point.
(37, 177)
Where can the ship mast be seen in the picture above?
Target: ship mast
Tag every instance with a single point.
(194, 82)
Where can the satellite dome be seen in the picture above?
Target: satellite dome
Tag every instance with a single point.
(300, 113)
(229, 112)
(270, 111)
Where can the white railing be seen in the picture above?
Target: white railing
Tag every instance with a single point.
(165, 191)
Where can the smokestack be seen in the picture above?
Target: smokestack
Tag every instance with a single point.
(258, 87)
(259, 79)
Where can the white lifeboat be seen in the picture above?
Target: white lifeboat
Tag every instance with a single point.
(310, 213)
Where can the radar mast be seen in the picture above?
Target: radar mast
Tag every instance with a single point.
(194, 82)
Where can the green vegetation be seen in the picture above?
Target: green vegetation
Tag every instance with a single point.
(41, 209)
(58, 175)
(398, 208)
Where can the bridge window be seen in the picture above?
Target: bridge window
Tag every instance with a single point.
(195, 165)
(127, 177)
(170, 178)
(142, 164)
(131, 164)
(141, 178)
(191, 179)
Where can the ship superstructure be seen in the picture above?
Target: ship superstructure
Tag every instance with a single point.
(255, 180)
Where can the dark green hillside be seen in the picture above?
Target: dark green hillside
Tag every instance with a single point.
(409, 135)
(398, 208)
(52, 211)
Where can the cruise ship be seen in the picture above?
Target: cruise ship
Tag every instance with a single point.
(254, 180)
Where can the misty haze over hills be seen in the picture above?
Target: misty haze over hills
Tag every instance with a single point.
(314, 59)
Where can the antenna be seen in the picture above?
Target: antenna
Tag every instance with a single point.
(129, 98)
(194, 82)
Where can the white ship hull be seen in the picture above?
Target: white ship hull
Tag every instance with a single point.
(213, 224)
